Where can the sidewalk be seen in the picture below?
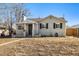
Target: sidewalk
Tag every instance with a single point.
(11, 42)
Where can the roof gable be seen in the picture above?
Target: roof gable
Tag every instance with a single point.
(49, 17)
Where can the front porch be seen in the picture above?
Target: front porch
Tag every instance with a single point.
(25, 29)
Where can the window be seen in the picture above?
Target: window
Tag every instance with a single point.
(20, 27)
(44, 25)
(61, 25)
(57, 25)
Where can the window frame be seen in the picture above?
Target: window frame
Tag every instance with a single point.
(20, 27)
(43, 25)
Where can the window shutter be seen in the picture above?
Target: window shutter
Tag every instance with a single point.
(46, 25)
(54, 25)
(40, 25)
(61, 25)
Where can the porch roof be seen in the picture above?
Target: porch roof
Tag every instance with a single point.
(26, 22)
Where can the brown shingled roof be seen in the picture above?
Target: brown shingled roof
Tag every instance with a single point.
(50, 16)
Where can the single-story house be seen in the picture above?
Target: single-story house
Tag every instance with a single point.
(47, 26)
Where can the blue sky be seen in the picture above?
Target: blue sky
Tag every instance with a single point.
(69, 10)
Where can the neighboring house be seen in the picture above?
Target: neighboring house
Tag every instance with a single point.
(48, 26)
(2, 27)
(73, 31)
(14, 27)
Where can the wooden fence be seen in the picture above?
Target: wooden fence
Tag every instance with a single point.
(71, 32)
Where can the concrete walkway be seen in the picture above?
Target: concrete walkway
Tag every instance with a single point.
(11, 41)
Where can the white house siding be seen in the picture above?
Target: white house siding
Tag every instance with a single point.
(50, 30)
(36, 29)
(19, 33)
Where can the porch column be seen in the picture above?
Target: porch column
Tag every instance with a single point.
(37, 28)
(16, 27)
(64, 30)
(33, 29)
(24, 30)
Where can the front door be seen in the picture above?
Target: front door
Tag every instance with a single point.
(30, 29)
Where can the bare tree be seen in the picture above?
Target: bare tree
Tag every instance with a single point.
(13, 11)
(20, 11)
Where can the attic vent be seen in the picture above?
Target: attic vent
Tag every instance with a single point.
(56, 34)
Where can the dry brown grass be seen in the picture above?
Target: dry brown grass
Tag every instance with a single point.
(42, 47)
